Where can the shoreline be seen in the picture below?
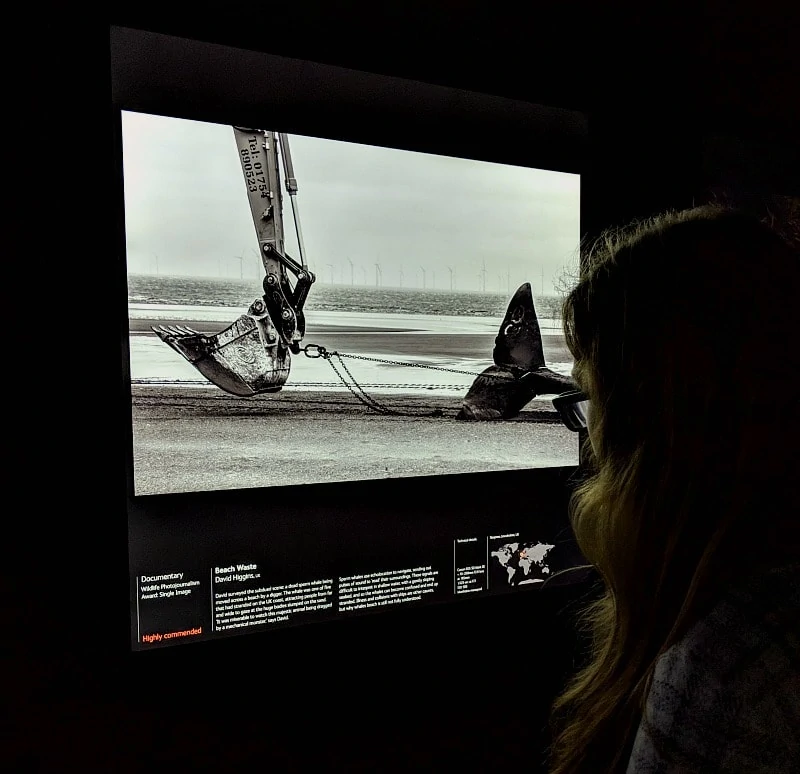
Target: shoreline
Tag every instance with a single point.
(394, 343)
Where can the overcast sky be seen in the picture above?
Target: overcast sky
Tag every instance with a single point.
(186, 211)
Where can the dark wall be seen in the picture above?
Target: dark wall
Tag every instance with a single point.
(679, 98)
(677, 104)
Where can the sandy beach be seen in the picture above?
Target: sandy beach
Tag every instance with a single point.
(197, 439)
(191, 436)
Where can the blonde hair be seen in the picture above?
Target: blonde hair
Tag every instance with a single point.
(682, 329)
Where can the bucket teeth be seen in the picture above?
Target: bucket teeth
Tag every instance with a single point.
(174, 331)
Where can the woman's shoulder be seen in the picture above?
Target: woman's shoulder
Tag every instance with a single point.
(726, 697)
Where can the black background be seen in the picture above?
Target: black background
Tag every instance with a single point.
(679, 98)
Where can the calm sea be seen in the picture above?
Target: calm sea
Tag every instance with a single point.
(238, 293)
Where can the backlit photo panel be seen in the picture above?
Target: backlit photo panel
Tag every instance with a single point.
(415, 258)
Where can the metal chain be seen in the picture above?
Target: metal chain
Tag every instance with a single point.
(420, 365)
(323, 353)
(316, 351)
(362, 396)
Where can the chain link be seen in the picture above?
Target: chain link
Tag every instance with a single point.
(362, 396)
(501, 377)
(320, 351)
(317, 351)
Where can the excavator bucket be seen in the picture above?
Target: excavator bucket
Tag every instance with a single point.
(245, 359)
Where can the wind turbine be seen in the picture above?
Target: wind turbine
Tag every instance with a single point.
(423, 277)
(351, 271)
(450, 269)
(330, 266)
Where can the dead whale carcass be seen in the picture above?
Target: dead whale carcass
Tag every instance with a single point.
(519, 372)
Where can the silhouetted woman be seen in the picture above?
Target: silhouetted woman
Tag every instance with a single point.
(684, 331)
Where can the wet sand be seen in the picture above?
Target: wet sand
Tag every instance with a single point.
(200, 438)
(396, 341)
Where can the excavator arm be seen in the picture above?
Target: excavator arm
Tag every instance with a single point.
(253, 354)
